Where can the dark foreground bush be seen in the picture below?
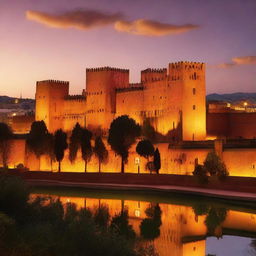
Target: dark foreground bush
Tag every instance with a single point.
(47, 228)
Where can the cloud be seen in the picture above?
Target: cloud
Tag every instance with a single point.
(151, 28)
(89, 19)
(80, 19)
(236, 61)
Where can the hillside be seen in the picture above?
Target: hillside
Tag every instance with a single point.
(7, 102)
(233, 97)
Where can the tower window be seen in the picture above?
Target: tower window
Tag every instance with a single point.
(194, 91)
(194, 107)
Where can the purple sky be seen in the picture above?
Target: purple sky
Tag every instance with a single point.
(31, 50)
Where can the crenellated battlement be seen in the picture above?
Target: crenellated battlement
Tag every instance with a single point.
(100, 69)
(55, 82)
(151, 74)
(187, 65)
(154, 70)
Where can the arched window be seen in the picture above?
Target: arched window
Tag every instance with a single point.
(194, 91)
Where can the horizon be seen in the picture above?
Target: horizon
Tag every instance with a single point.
(59, 40)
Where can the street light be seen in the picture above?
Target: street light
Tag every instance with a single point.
(137, 162)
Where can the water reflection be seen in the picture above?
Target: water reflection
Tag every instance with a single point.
(171, 228)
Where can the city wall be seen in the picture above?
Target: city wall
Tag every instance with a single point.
(240, 162)
(232, 125)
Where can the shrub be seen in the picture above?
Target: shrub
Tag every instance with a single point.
(201, 174)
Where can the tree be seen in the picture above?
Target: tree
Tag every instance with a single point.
(120, 225)
(148, 130)
(157, 160)
(38, 139)
(145, 148)
(86, 146)
(214, 218)
(75, 142)
(150, 226)
(122, 134)
(5, 137)
(60, 145)
(50, 147)
(214, 166)
(100, 151)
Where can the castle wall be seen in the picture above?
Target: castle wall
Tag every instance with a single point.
(130, 103)
(232, 125)
(240, 162)
(74, 112)
(217, 124)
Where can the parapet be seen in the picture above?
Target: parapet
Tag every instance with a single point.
(151, 74)
(55, 82)
(100, 69)
(154, 70)
(187, 65)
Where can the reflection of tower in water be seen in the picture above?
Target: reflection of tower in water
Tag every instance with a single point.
(182, 232)
(177, 222)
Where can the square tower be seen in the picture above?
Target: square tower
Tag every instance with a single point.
(190, 76)
(50, 96)
(101, 85)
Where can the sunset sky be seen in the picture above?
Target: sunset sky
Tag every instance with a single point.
(59, 39)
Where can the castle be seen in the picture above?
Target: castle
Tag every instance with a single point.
(172, 100)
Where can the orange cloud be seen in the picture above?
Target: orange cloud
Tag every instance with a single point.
(80, 19)
(245, 60)
(151, 28)
(89, 19)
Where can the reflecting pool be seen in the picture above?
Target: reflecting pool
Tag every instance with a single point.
(175, 225)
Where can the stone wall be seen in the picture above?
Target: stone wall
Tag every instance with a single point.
(232, 125)
(240, 162)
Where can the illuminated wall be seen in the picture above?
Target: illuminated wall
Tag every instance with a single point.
(74, 112)
(240, 162)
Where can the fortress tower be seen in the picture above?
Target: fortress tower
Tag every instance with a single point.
(101, 84)
(190, 76)
(50, 95)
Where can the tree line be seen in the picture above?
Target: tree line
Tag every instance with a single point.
(123, 133)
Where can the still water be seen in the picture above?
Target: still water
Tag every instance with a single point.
(176, 225)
